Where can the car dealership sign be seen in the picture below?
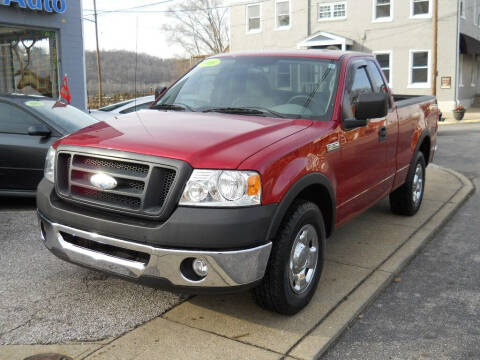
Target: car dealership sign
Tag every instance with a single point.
(49, 6)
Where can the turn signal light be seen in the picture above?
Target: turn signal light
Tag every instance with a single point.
(254, 185)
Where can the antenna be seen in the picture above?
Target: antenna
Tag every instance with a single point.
(136, 64)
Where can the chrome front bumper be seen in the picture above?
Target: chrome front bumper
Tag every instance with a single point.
(225, 268)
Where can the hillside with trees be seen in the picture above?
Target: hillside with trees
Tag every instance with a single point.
(118, 72)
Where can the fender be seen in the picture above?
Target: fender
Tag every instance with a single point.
(422, 137)
(291, 195)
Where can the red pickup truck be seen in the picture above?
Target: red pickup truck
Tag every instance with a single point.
(238, 174)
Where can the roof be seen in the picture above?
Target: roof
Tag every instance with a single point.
(313, 53)
(323, 38)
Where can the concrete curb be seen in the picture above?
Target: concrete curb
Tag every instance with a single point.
(364, 295)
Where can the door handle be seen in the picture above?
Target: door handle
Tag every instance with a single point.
(382, 134)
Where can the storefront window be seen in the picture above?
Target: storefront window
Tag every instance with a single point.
(28, 61)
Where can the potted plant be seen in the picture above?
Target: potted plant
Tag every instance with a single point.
(459, 112)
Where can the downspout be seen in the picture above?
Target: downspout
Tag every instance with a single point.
(309, 20)
(457, 62)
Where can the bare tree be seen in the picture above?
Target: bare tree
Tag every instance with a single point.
(200, 26)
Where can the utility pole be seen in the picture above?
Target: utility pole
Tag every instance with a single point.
(99, 65)
(435, 48)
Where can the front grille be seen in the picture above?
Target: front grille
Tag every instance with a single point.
(117, 167)
(107, 198)
(142, 187)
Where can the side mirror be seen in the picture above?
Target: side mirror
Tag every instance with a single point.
(368, 106)
(39, 130)
(372, 106)
(159, 91)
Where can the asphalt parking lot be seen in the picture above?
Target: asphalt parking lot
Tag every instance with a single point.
(45, 300)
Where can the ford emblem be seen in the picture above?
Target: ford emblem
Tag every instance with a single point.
(103, 181)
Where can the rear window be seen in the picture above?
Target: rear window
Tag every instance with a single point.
(67, 117)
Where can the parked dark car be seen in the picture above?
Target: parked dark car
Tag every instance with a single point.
(28, 126)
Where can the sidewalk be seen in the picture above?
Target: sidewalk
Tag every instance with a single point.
(362, 258)
(457, 122)
(472, 116)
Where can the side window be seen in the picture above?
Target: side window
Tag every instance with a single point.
(14, 120)
(377, 79)
(358, 83)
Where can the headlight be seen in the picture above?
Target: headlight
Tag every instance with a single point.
(49, 171)
(221, 188)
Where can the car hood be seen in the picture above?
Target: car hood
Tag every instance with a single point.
(103, 115)
(204, 140)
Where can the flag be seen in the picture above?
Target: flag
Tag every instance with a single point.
(65, 91)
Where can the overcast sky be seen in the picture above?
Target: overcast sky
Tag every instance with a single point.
(119, 30)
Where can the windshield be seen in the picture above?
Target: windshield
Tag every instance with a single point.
(67, 117)
(274, 86)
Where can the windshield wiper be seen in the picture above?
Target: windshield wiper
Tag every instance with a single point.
(174, 107)
(314, 92)
(169, 107)
(245, 111)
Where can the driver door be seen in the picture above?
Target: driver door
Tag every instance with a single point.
(363, 155)
(22, 155)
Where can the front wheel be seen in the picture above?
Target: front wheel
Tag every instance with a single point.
(406, 200)
(296, 261)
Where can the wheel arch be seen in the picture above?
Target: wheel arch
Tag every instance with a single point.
(314, 187)
(424, 146)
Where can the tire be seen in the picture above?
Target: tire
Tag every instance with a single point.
(278, 292)
(407, 199)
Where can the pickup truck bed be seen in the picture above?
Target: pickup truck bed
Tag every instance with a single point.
(406, 100)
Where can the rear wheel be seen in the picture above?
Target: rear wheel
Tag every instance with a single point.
(406, 200)
(296, 261)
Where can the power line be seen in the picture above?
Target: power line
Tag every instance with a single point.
(107, 12)
(130, 8)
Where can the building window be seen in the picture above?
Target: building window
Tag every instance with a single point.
(420, 68)
(383, 10)
(384, 59)
(420, 8)
(282, 9)
(462, 9)
(339, 11)
(324, 12)
(284, 78)
(332, 11)
(254, 17)
(28, 61)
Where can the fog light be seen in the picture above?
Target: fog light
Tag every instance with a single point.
(200, 267)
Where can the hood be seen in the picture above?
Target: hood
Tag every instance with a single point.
(204, 140)
(103, 115)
